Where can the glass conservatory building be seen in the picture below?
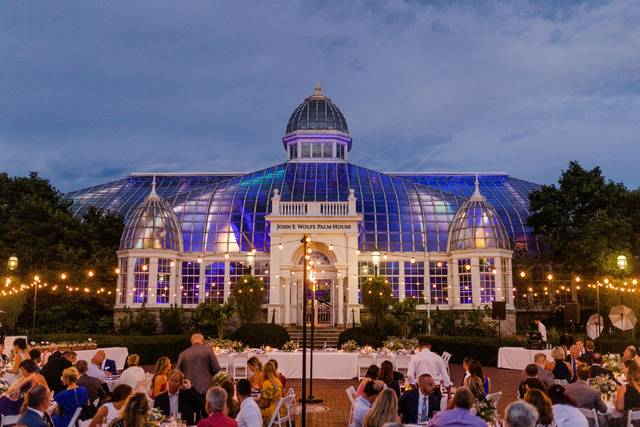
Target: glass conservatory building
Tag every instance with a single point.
(445, 239)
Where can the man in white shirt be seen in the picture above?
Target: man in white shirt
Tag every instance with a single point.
(249, 415)
(94, 368)
(543, 331)
(425, 361)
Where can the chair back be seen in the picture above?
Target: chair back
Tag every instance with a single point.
(279, 420)
(632, 416)
(9, 420)
(402, 363)
(364, 361)
(446, 356)
(75, 417)
(351, 394)
(239, 364)
(591, 415)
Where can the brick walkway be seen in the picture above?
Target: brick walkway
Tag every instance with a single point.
(335, 398)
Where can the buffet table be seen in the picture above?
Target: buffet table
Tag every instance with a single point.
(517, 357)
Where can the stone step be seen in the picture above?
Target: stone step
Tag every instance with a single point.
(324, 336)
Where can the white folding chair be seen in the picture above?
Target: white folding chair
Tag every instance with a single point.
(75, 417)
(445, 358)
(382, 357)
(632, 416)
(223, 361)
(364, 361)
(591, 415)
(279, 420)
(351, 394)
(239, 363)
(9, 420)
(402, 363)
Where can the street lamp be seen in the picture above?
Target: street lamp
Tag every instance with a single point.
(621, 261)
(12, 264)
(375, 259)
(251, 260)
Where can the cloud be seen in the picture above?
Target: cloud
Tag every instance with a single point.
(91, 91)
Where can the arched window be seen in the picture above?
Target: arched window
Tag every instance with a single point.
(318, 258)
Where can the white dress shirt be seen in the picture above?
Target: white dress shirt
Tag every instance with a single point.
(360, 408)
(543, 331)
(95, 372)
(249, 415)
(422, 399)
(132, 376)
(427, 362)
(174, 403)
(568, 416)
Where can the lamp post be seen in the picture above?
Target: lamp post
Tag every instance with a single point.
(36, 284)
(251, 260)
(375, 259)
(12, 264)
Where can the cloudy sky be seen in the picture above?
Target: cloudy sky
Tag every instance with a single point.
(93, 90)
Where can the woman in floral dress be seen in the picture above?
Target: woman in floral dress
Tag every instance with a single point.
(271, 392)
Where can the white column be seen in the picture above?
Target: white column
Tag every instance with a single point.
(340, 296)
(227, 279)
(401, 286)
(201, 296)
(475, 281)
(352, 273)
(153, 282)
(174, 282)
(501, 288)
(130, 284)
(286, 282)
(454, 287)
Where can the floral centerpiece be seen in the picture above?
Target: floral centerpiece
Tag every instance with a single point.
(366, 349)
(290, 346)
(155, 416)
(604, 384)
(612, 362)
(349, 346)
(486, 408)
(220, 378)
(266, 348)
(396, 344)
(225, 346)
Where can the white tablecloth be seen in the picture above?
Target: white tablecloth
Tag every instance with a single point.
(517, 357)
(119, 354)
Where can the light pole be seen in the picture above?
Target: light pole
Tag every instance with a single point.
(375, 259)
(36, 284)
(251, 260)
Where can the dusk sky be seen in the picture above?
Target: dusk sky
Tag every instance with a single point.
(91, 91)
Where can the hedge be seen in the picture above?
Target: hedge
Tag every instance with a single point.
(482, 349)
(258, 334)
(150, 348)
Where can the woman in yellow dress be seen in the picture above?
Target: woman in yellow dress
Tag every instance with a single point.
(271, 392)
(254, 369)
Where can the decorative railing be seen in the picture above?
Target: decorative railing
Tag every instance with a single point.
(279, 208)
(322, 315)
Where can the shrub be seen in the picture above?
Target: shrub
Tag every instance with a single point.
(259, 334)
(248, 295)
(363, 336)
(173, 320)
(210, 316)
(146, 322)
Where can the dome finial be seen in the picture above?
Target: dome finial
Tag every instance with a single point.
(477, 195)
(153, 188)
(317, 90)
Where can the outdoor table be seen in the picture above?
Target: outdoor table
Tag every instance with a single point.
(517, 357)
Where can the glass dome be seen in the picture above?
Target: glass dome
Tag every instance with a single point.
(153, 225)
(317, 112)
(476, 225)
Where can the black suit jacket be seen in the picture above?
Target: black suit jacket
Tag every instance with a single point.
(52, 371)
(408, 406)
(597, 371)
(190, 405)
(110, 366)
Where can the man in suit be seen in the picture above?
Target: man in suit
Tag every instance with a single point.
(38, 401)
(574, 354)
(198, 363)
(52, 370)
(583, 394)
(93, 385)
(596, 367)
(589, 349)
(418, 405)
(107, 365)
(180, 398)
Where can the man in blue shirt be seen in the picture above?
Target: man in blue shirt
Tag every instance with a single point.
(460, 415)
(418, 406)
(363, 403)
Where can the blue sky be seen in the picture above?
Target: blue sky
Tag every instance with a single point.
(90, 91)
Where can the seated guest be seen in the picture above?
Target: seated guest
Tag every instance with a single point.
(596, 367)
(12, 399)
(69, 400)
(475, 370)
(95, 369)
(107, 365)
(363, 403)
(180, 400)
(460, 415)
(465, 366)
(134, 413)
(52, 371)
(373, 371)
(254, 372)
(589, 349)
(583, 394)
(417, 406)
(540, 360)
(249, 414)
(387, 377)
(232, 405)
(283, 380)
(530, 384)
(539, 400)
(20, 353)
(109, 411)
(574, 362)
(271, 392)
(629, 353)
(93, 386)
(134, 376)
(474, 384)
(520, 414)
(35, 414)
(628, 396)
(530, 372)
(560, 369)
(565, 413)
(159, 379)
(216, 401)
(384, 410)
(35, 355)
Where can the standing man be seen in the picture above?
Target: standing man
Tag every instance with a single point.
(198, 363)
(418, 406)
(543, 331)
(425, 361)
(52, 370)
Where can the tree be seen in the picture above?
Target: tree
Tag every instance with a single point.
(210, 317)
(248, 295)
(406, 313)
(173, 320)
(376, 296)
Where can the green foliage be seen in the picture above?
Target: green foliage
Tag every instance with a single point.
(406, 313)
(258, 334)
(150, 348)
(210, 317)
(146, 322)
(363, 336)
(173, 320)
(126, 324)
(376, 296)
(248, 295)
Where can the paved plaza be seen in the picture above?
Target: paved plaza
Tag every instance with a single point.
(335, 398)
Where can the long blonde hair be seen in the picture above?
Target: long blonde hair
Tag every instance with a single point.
(135, 411)
(269, 372)
(254, 364)
(384, 410)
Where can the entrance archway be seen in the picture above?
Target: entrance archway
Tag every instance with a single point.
(322, 289)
